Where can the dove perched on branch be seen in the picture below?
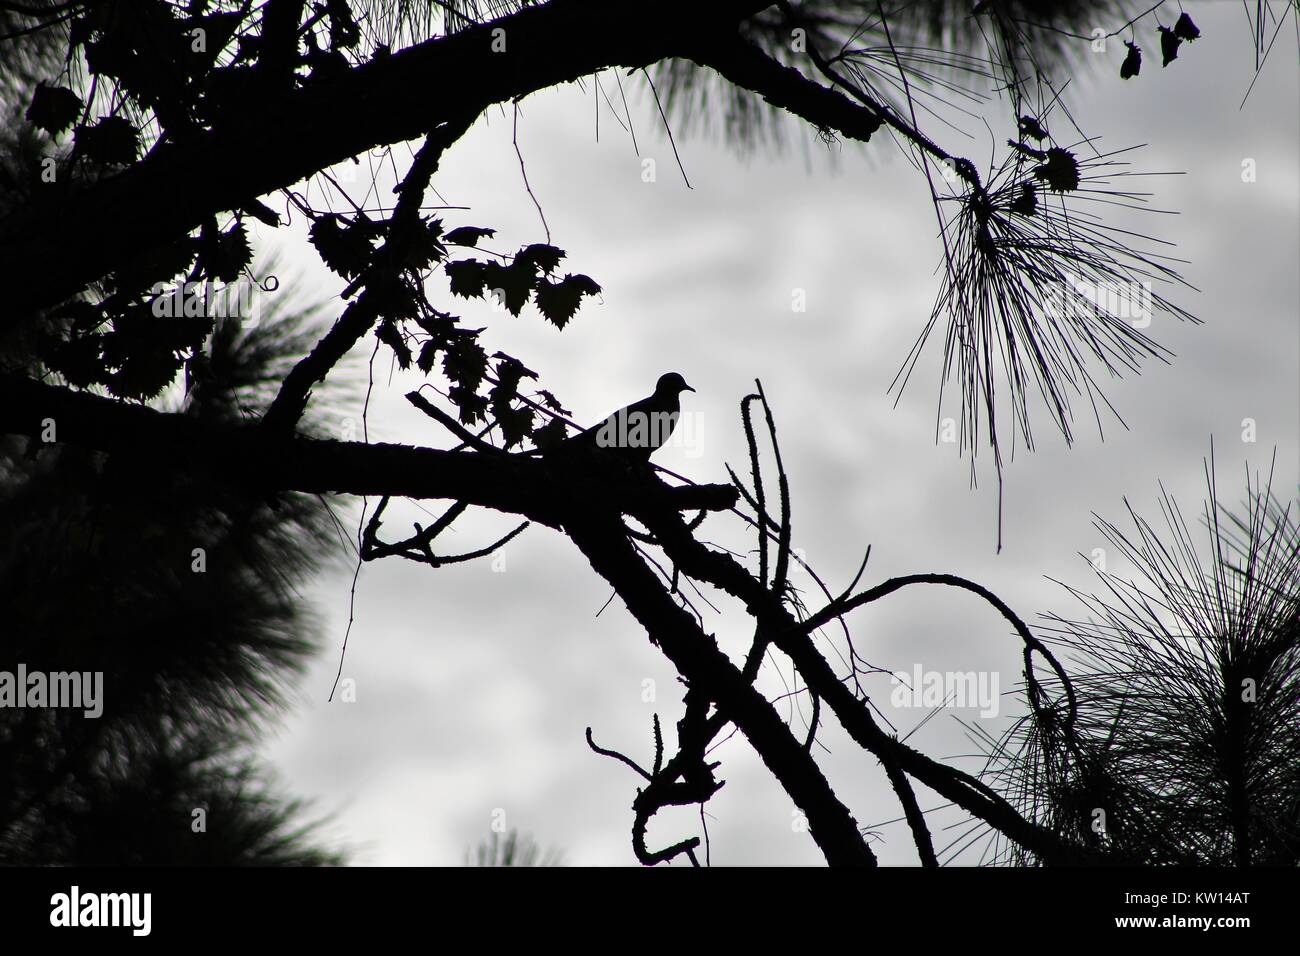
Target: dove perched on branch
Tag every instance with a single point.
(641, 428)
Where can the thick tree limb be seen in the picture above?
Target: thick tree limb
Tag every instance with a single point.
(912, 811)
(515, 484)
(519, 484)
(359, 317)
(388, 100)
(723, 571)
(700, 661)
(391, 99)
(747, 66)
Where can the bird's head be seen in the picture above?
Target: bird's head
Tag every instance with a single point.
(672, 384)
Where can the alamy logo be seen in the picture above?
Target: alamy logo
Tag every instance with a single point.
(1127, 301)
(194, 300)
(946, 689)
(102, 909)
(75, 689)
(651, 430)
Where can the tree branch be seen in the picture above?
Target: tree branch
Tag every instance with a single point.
(723, 571)
(699, 660)
(299, 132)
(246, 455)
(747, 66)
(386, 266)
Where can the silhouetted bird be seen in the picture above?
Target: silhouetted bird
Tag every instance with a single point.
(641, 428)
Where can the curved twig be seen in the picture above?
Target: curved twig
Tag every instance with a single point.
(1032, 644)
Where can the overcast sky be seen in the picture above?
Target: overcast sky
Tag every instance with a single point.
(474, 685)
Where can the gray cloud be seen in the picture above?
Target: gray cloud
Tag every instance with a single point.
(475, 687)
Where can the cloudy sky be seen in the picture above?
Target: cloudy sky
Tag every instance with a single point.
(475, 683)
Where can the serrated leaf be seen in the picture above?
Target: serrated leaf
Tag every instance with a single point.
(426, 247)
(509, 371)
(153, 264)
(147, 350)
(111, 55)
(585, 283)
(550, 434)
(113, 141)
(466, 277)
(473, 407)
(1029, 126)
(77, 359)
(345, 248)
(513, 284)
(53, 108)
(440, 325)
(144, 374)
(465, 363)
(395, 300)
(558, 301)
(226, 257)
(140, 329)
(516, 423)
(262, 213)
(551, 402)
(388, 333)
(1026, 201)
(1060, 172)
(428, 355)
(540, 256)
(468, 235)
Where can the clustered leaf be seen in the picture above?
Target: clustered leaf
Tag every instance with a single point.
(550, 434)
(465, 362)
(344, 31)
(224, 255)
(558, 301)
(346, 247)
(53, 108)
(551, 402)
(528, 274)
(1029, 126)
(468, 235)
(516, 422)
(426, 246)
(113, 141)
(511, 284)
(1132, 64)
(147, 350)
(1060, 171)
(388, 332)
(1026, 201)
(1170, 40)
(540, 256)
(1186, 29)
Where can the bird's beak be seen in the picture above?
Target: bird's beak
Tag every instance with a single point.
(689, 389)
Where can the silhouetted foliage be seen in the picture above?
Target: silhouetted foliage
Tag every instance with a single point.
(1184, 749)
(98, 573)
(149, 137)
